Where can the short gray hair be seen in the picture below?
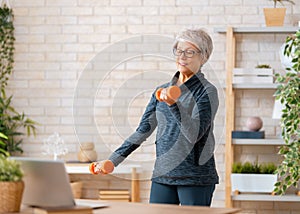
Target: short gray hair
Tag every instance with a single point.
(199, 38)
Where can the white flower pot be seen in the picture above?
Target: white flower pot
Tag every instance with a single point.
(260, 183)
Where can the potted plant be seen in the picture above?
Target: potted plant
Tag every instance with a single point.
(275, 16)
(11, 121)
(288, 93)
(11, 185)
(263, 66)
(253, 177)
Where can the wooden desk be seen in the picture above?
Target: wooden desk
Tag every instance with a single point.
(134, 170)
(138, 208)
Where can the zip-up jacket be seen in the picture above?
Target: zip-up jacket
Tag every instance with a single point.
(184, 137)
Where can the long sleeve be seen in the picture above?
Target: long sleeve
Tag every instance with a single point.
(146, 127)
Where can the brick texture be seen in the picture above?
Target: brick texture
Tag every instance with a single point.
(59, 42)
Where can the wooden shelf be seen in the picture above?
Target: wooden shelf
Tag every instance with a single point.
(230, 90)
(263, 142)
(83, 168)
(259, 29)
(265, 197)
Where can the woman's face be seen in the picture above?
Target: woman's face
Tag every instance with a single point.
(189, 58)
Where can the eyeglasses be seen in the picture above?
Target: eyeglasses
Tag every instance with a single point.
(187, 53)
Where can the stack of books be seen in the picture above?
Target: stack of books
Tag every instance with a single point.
(114, 195)
(248, 134)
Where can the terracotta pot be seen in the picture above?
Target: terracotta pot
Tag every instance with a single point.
(11, 196)
(274, 16)
(76, 189)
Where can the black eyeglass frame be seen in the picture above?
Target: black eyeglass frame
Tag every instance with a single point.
(186, 52)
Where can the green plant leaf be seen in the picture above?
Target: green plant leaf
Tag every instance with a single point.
(3, 135)
(288, 92)
(12, 123)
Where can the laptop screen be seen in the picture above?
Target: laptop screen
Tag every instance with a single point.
(46, 183)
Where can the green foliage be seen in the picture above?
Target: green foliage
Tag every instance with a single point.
(3, 144)
(281, 2)
(268, 168)
(263, 66)
(10, 170)
(253, 168)
(288, 92)
(6, 44)
(11, 122)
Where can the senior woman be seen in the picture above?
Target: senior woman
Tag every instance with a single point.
(184, 171)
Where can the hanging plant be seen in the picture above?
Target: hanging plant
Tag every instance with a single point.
(288, 92)
(281, 2)
(11, 121)
(6, 44)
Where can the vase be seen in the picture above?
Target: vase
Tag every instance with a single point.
(87, 155)
(87, 152)
(254, 123)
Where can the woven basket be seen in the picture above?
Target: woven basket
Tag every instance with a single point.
(11, 196)
(76, 189)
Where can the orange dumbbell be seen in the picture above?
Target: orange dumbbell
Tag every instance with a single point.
(172, 93)
(105, 167)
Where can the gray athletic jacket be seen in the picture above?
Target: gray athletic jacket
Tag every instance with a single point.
(184, 139)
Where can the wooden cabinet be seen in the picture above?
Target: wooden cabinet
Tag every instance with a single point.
(230, 108)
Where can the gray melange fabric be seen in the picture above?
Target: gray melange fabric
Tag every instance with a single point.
(184, 140)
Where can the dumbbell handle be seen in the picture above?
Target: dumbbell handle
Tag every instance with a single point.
(105, 167)
(172, 93)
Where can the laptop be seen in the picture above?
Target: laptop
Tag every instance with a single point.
(47, 185)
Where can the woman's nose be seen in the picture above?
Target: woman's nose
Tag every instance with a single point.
(182, 55)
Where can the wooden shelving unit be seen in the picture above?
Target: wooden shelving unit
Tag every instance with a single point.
(230, 111)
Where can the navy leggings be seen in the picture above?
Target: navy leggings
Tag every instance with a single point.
(183, 195)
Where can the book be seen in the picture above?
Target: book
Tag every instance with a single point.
(114, 192)
(248, 134)
(117, 200)
(114, 195)
(107, 197)
(63, 210)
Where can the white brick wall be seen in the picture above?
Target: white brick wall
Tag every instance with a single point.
(56, 39)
